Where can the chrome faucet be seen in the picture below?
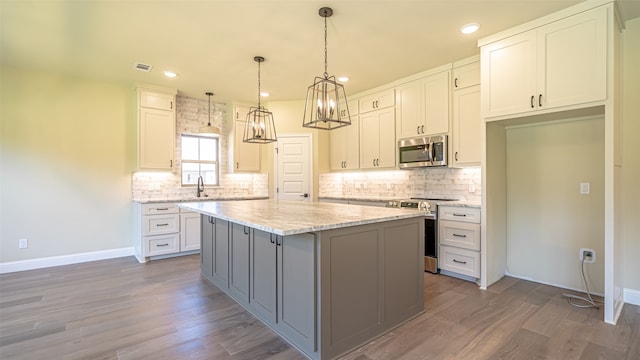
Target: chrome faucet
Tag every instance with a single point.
(200, 187)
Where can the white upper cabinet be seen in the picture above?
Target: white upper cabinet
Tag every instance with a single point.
(377, 101)
(156, 129)
(345, 146)
(422, 106)
(466, 118)
(557, 65)
(377, 139)
(245, 157)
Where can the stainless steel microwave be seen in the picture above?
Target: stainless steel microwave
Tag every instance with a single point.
(423, 151)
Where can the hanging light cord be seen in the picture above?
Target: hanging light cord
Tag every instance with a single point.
(326, 72)
(589, 302)
(259, 84)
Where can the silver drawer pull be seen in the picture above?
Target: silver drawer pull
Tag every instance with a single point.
(459, 262)
(458, 235)
(463, 215)
(168, 245)
(162, 209)
(162, 224)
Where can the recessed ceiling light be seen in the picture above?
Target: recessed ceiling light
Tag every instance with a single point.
(170, 74)
(264, 94)
(343, 78)
(469, 28)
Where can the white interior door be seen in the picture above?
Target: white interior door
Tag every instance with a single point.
(293, 176)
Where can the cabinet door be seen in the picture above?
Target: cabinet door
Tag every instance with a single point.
(387, 139)
(369, 140)
(377, 101)
(189, 231)
(466, 126)
(263, 274)
(410, 115)
(239, 266)
(157, 139)
(206, 246)
(155, 100)
(572, 60)
(436, 103)
(466, 75)
(246, 156)
(338, 147)
(297, 315)
(509, 75)
(220, 272)
(352, 144)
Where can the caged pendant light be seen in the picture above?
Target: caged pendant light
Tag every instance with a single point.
(326, 106)
(259, 127)
(209, 129)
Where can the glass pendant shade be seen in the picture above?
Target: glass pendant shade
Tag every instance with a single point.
(259, 126)
(209, 129)
(326, 106)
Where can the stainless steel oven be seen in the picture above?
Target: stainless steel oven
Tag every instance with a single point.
(429, 207)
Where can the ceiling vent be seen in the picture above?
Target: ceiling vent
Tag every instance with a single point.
(142, 67)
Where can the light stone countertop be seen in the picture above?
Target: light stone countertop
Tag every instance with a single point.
(194, 198)
(296, 217)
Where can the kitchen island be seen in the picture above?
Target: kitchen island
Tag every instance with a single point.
(326, 277)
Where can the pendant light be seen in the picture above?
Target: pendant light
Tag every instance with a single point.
(326, 106)
(209, 129)
(259, 127)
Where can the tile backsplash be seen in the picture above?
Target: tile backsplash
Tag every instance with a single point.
(448, 183)
(191, 114)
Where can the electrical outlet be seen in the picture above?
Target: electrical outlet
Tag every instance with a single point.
(23, 244)
(589, 255)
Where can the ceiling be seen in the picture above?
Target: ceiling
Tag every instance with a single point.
(211, 43)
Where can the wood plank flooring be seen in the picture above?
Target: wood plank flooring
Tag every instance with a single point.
(120, 309)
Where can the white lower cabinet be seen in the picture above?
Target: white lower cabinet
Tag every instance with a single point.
(164, 229)
(459, 240)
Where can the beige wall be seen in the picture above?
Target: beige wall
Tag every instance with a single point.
(66, 165)
(548, 219)
(631, 156)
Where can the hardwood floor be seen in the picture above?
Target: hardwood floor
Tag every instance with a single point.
(120, 309)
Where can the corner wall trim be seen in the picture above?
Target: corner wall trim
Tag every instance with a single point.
(31, 264)
(632, 296)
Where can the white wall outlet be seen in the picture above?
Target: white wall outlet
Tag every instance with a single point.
(585, 188)
(589, 255)
(23, 244)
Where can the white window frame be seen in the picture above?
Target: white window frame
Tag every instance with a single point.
(215, 162)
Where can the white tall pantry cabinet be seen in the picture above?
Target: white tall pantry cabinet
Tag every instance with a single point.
(564, 66)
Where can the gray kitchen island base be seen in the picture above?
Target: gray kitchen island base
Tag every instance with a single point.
(325, 292)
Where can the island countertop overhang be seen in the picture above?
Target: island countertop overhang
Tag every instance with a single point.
(297, 217)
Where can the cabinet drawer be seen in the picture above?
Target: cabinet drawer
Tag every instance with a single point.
(461, 261)
(156, 209)
(161, 224)
(460, 234)
(162, 244)
(459, 213)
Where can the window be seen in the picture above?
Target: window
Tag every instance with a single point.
(200, 157)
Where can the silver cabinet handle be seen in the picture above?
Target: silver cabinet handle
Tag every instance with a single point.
(162, 224)
(162, 245)
(162, 209)
(463, 215)
(459, 262)
(458, 235)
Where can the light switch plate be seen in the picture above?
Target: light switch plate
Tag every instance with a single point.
(585, 188)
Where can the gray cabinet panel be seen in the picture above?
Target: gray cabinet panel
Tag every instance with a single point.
(297, 316)
(221, 253)
(354, 285)
(239, 255)
(402, 271)
(263, 274)
(206, 246)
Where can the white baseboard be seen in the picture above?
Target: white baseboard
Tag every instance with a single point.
(40, 263)
(632, 297)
